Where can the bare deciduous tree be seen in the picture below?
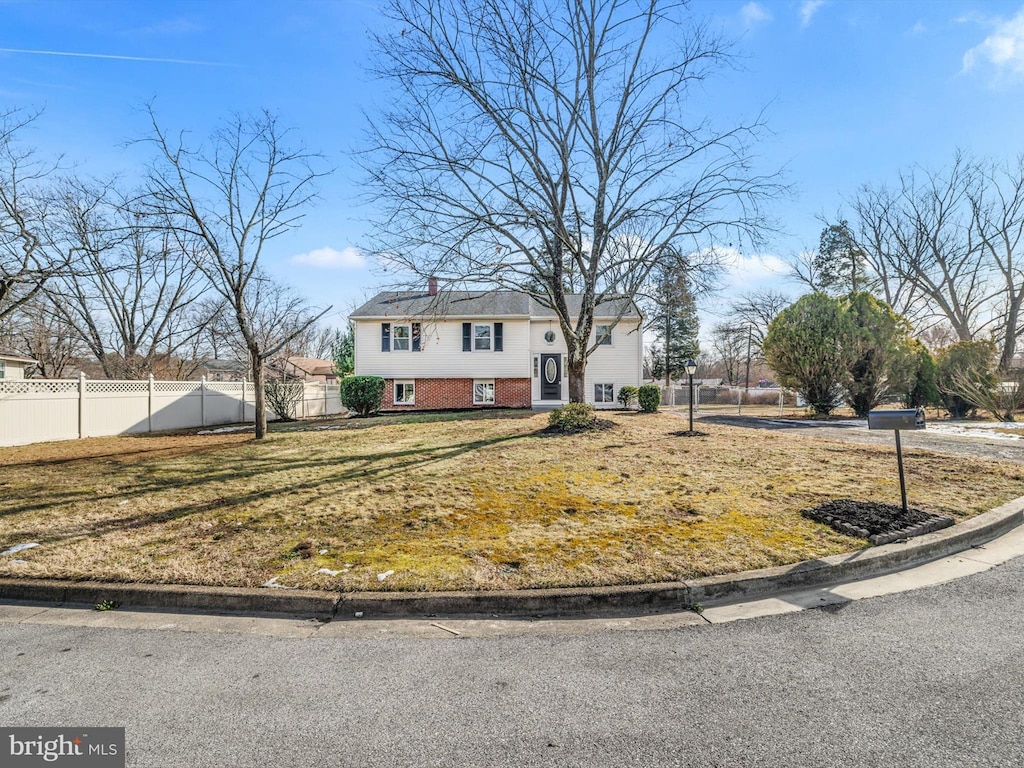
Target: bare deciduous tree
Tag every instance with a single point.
(25, 262)
(920, 241)
(997, 210)
(128, 285)
(225, 201)
(550, 148)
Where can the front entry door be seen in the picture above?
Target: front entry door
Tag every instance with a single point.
(550, 377)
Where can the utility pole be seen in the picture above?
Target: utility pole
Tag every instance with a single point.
(750, 333)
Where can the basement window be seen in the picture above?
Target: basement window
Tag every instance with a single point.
(405, 393)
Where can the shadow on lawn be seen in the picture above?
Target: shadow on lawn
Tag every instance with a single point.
(371, 466)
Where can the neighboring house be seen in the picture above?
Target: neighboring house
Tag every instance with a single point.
(466, 349)
(306, 369)
(13, 366)
(221, 370)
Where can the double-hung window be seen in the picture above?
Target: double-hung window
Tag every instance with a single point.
(604, 393)
(603, 334)
(401, 338)
(481, 337)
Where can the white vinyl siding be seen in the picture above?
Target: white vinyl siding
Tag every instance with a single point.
(442, 355)
(617, 364)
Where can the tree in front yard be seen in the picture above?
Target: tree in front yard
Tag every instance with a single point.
(225, 201)
(882, 359)
(810, 347)
(553, 148)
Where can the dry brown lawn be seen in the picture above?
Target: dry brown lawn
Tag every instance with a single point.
(478, 501)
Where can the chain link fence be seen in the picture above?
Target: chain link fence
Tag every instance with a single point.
(756, 401)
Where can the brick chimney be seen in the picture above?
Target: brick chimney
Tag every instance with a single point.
(432, 286)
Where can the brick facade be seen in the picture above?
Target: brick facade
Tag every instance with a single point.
(439, 394)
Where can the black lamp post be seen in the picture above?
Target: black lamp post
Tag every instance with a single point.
(690, 366)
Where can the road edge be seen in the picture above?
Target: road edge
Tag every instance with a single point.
(851, 566)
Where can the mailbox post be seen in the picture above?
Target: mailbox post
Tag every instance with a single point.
(895, 420)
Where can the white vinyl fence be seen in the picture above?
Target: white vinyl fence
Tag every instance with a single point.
(39, 410)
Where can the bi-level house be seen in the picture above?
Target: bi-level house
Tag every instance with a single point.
(465, 349)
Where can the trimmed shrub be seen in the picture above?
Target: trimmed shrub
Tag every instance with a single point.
(628, 396)
(573, 417)
(362, 394)
(649, 397)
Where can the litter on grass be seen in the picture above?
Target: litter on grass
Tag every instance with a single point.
(328, 571)
(272, 583)
(382, 576)
(19, 548)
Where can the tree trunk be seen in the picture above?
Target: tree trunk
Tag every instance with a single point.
(259, 375)
(577, 371)
(1010, 341)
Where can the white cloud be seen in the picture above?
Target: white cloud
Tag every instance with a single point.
(751, 272)
(807, 10)
(329, 258)
(1003, 49)
(919, 28)
(754, 14)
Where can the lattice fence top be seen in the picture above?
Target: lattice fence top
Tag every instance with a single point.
(231, 387)
(38, 386)
(116, 387)
(176, 386)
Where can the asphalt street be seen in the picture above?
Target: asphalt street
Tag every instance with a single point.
(978, 447)
(924, 678)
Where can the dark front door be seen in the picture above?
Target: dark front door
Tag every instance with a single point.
(550, 377)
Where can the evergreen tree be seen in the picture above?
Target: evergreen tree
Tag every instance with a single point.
(343, 350)
(841, 263)
(673, 319)
(810, 347)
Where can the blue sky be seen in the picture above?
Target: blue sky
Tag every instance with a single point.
(854, 90)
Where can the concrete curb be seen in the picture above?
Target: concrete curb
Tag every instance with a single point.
(667, 596)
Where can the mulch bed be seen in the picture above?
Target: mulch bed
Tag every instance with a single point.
(878, 523)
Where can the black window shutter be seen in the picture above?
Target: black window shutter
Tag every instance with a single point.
(467, 337)
(385, 337)
(497, 336)
(415, 337)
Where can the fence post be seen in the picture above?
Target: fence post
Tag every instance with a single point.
(202, 400)
(696, 399)
(149, 418)
(81, 404)
(782, 394)
(242, 420)
(739, 401)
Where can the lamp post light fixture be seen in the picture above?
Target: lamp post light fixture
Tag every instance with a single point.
(690, 366)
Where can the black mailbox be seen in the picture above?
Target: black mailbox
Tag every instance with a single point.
(903, 418)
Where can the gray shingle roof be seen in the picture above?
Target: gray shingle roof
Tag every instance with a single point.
(403, 304)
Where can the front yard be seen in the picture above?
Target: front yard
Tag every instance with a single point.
(453, 501)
